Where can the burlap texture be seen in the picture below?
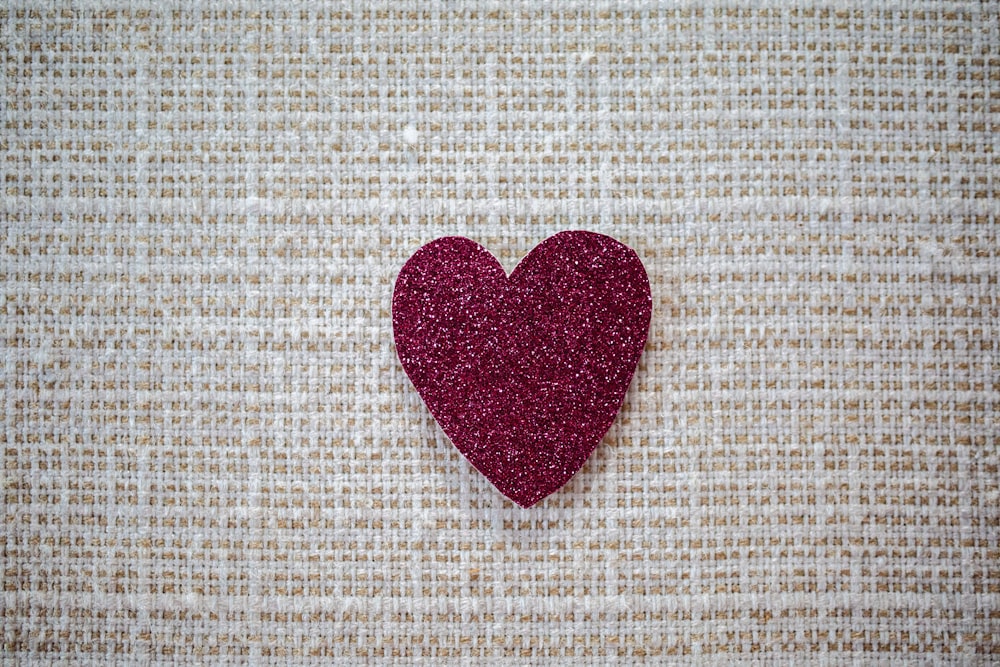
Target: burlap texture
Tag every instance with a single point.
(211, 454)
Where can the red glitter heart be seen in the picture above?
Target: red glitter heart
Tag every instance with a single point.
(524, 374)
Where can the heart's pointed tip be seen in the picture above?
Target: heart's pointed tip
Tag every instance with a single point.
(527, 498)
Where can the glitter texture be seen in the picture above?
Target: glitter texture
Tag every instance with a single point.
(524, 374)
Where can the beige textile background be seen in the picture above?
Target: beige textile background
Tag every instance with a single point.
(211, 454)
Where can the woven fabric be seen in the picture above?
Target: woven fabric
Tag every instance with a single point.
(211, 453)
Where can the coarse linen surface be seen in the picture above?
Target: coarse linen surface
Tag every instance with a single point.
(212, 455)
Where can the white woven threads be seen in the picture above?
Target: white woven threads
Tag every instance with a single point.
(212, 455)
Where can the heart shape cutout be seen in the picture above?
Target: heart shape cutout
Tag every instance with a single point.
(524, 374)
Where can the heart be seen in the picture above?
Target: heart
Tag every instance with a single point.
(524, 374)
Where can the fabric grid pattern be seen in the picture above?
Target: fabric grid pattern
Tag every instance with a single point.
(212, 455)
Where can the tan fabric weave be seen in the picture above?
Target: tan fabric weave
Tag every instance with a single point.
(211, 454)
